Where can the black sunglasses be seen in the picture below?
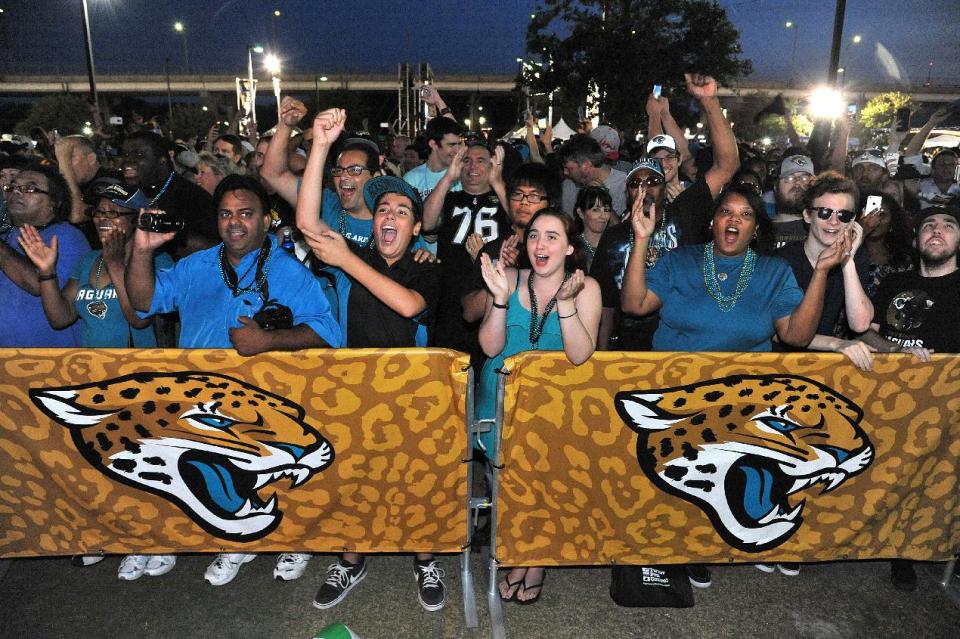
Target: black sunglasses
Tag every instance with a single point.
(844, 215)
(650, 180)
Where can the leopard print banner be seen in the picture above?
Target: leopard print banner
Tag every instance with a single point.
(655, 458)
(204, 450)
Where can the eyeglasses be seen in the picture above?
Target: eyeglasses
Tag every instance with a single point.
(750, 186)
(532, 198)
(799, 176)
(24, 188)
(672, 157)
(843, 215)
(110, 215)
(353, 170)
(651, 180)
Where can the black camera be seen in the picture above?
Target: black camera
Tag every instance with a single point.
(157, 221)
(274, 316)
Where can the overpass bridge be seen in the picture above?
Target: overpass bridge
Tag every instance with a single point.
(194, 84)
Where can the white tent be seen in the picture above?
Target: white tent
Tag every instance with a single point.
(942, 140)
(561, 131)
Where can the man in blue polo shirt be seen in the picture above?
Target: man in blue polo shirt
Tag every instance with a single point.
(219, 291)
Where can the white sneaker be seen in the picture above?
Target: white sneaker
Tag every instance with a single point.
(291, 565)
(160, 565)
(87, 560)
(767, 568)
(132, 567)
(225, 567)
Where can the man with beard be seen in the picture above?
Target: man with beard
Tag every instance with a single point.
(146, 166)
(870, 174)
(796, 171)
(464, 221)
(39, 197)
(916, 312)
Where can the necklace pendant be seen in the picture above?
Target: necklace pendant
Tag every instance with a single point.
(722, 277)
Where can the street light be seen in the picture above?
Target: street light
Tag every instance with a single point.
(856, 39)
(789, 24)
(272, 64)
(179, 28)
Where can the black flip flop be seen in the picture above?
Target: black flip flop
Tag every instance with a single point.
(538, 587)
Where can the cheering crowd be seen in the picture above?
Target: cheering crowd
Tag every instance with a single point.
(315, 237)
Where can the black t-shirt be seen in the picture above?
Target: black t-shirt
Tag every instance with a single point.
(475, 278)
(686, 221)
(370, 322)
(833, 297)
(462, 215)
(913, 310)
(186, 200)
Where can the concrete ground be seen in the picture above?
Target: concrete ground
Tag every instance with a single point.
(50, 598)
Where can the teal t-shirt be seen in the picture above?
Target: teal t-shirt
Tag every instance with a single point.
(691, 320)
(101, 318)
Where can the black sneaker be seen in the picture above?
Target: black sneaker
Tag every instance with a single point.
(789, 569)
(430, 590)
(902, 575)
(341, 578)
(699, 575)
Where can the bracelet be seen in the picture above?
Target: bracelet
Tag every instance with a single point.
(566, 316)
(503, 306)
(444, 111)
(44, 278)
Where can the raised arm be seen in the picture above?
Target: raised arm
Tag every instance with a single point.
(57, 304)
(837, 159)
(327, 127)
(726, 159)
(65, 150)
(332, 249)
(578, 307)
(669, 126)
(433, 206)
(114, 245)
(141, 278)
(532, 139)
(799, 328)
(493, 329)
(635, 298)
(276, 169)
(916, 143)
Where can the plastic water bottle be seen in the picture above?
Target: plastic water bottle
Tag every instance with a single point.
(287, 243)
(336, 631)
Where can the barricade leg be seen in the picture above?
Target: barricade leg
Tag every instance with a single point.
(470, 618)
(948, 573)
(494, 604)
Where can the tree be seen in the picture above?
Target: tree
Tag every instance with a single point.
(878, 113)
(65, 112)
(190, 120)
(625, 47)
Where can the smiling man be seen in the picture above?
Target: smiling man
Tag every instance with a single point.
(244, 293)
(464, 221)
(146, 166)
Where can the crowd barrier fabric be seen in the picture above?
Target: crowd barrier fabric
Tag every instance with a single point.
(202, 450)
(658, 458)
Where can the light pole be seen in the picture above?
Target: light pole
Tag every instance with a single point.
(179, 28)
(790, 24)
(90, 71)
(272, 64)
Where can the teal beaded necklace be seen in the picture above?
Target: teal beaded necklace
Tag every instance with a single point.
(726, 302)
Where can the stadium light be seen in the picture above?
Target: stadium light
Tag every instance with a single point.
(826, 103)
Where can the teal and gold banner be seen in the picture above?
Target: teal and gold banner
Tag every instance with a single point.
(654, 458)
(201, 450)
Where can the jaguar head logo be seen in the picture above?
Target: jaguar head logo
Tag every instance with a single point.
(211, 444)
(742, 447)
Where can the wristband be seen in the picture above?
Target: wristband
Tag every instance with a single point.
(566, 316)
(444, 111)
(44, 278)
(503, 306)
